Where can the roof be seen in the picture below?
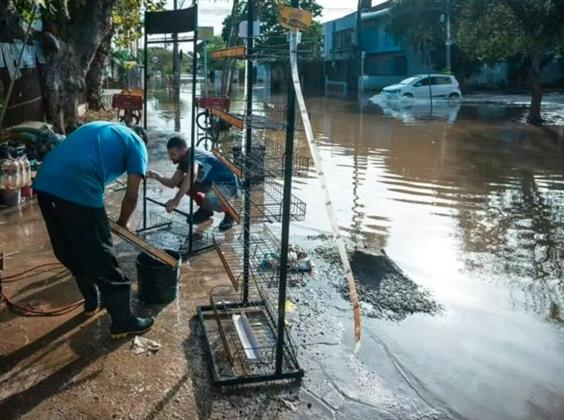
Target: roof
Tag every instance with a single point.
(375, 14)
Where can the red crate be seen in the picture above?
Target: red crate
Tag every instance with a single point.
(208, 102)
(130, 102)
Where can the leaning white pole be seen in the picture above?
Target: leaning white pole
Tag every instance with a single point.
(321, 176)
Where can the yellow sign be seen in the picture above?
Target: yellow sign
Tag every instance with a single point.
(233, 52)
(295, 19)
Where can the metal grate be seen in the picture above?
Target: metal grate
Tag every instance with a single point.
(266, 202)
(242, 338)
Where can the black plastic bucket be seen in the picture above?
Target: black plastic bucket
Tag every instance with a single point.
(157, 282)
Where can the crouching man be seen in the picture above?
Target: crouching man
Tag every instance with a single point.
(208, 170)
(70, 192)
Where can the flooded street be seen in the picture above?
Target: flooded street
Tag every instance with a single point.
(467, 201)
(470, 208)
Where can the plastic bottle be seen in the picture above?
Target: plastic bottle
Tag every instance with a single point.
(20, 179)
(27, 172)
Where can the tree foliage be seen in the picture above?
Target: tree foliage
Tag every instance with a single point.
(272, 43)
(504, 29)
(418, 23)
(127, 19)
(497, 30)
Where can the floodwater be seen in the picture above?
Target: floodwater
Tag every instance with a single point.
(468, 201)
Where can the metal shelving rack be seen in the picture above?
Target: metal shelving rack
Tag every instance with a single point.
(244, 325)
(167, 26)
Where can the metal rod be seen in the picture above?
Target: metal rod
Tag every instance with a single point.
(193, 128)
(152, 200)
(248, 151)
(160, 225)
(286, 209)
(145, 91)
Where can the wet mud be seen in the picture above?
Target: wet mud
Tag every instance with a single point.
(385, 291)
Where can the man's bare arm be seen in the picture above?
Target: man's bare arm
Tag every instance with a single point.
(182, 190)
(171, 182)
(130, 200)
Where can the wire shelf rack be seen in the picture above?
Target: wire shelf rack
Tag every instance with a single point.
(244, 325)
(170, 232)
(266, 202)
(264, 256)
(242, 339)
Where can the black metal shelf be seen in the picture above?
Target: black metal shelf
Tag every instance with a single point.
(242, 339)
(170, 232)
(266, 202)
(264, 253)
(244, 325)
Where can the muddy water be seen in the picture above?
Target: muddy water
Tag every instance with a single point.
(467, 200)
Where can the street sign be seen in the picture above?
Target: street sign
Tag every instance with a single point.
(233, 52)
(243, 31)
(205, 33)
(295, 19)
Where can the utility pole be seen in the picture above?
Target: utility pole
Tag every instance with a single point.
(176, 76)
(359, 57)
(448, 42)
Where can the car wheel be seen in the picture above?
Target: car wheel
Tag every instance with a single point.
(454, 96)
(408, 95)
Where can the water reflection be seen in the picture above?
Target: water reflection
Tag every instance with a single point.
(410, 111)
(487, 190)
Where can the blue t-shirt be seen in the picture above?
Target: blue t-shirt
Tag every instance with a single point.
(90, 158)
(211, 168)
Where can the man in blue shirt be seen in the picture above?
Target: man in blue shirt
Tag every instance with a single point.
(70, 192)
(209, 170)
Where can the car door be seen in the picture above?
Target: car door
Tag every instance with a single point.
(421, 88)
(442, 86)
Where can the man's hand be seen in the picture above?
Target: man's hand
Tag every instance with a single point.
(153, 175)
(172, 204)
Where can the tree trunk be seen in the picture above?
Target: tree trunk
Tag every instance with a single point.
(69, 56)
(94, 77)
(536, 89)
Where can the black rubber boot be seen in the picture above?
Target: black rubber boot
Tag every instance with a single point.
(201, 215)
(124, 323)
(91, 296)
(226, 223)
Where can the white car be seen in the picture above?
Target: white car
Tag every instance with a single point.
(424, 85)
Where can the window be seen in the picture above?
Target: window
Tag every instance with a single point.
(422, 82)
(442, 81)
(385, 65)
(343, 39)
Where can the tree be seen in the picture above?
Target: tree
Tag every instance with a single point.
(273, 37)
(214, 44)
(76, 39)
(272, 45)
(72, 34)
(127, 25)
(418, 23)
(502, 29)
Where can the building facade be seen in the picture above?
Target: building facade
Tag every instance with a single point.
(381, 60)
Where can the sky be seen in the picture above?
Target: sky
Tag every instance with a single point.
(212, 12)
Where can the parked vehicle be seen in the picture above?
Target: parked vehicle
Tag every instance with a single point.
(424, 85)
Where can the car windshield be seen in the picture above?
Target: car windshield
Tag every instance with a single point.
(409, 80)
